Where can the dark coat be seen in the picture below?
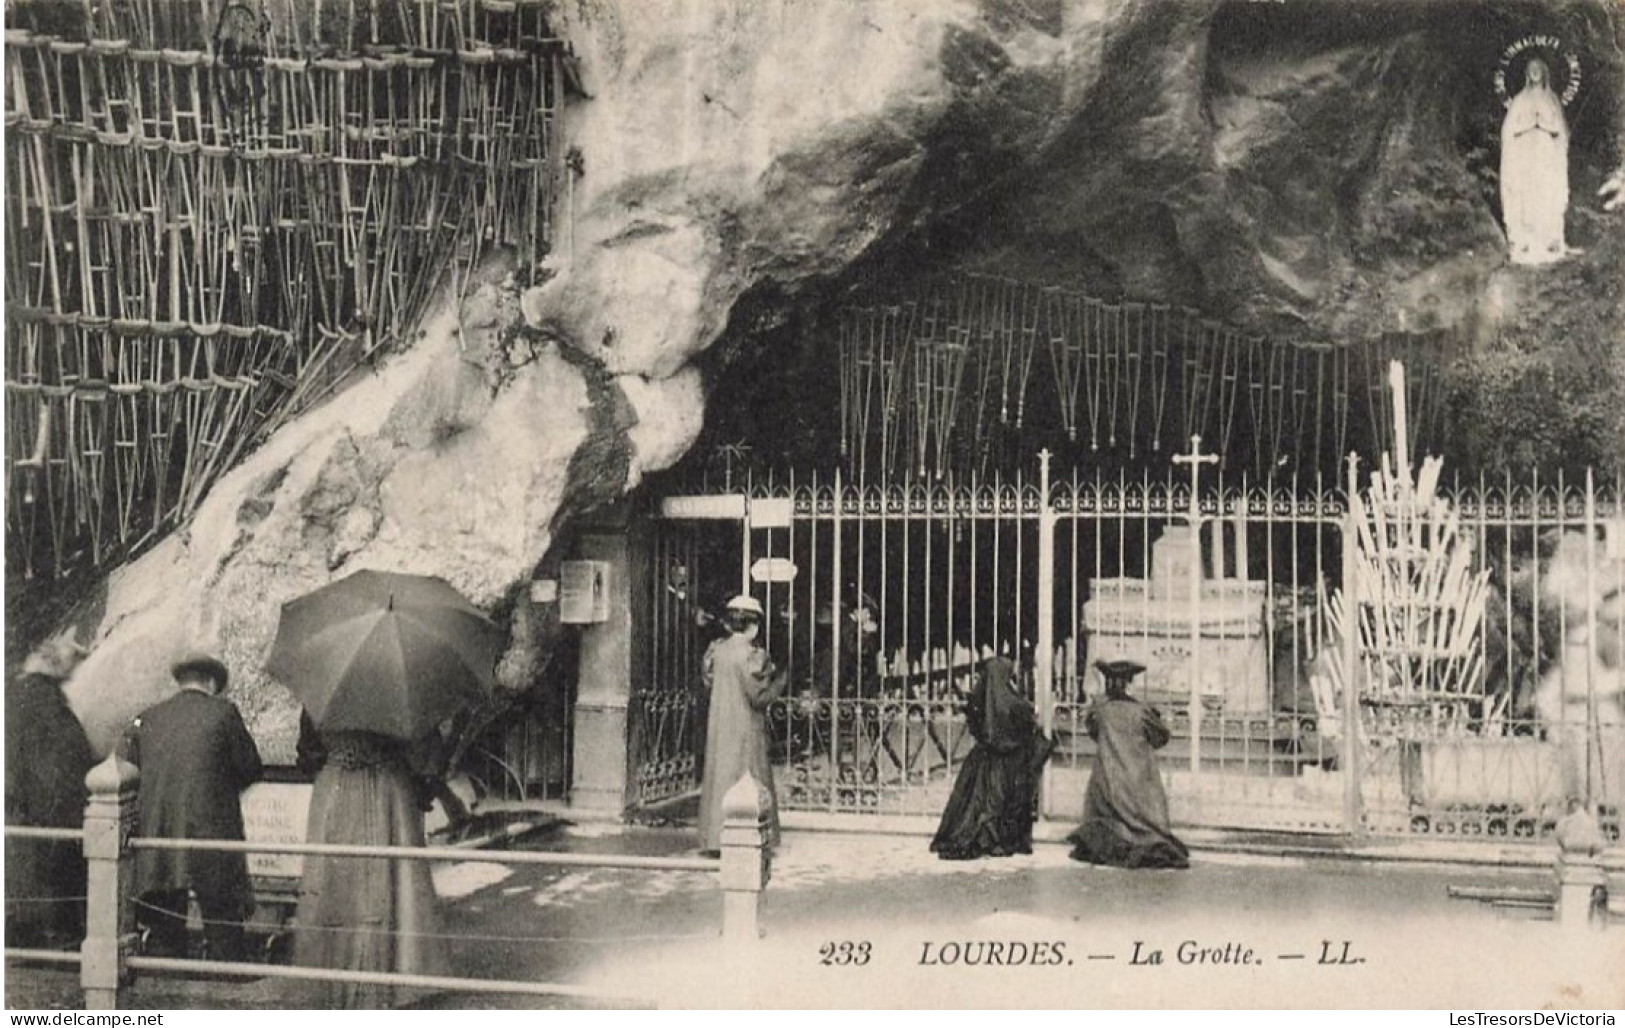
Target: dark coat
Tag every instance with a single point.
(1125, 809)
(47, 758)
(196, 757)
(990, 811)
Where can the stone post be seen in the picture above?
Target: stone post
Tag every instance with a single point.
(110, 817)
(745, 859)
(1582, 884)
(611, 665)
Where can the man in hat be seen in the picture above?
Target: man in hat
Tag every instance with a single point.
(47, 758)
(196, 758)
(743, 681)
(1125, 810)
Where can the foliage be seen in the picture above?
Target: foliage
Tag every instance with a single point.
(1517, 648)
(1514, 411)
(1433, 215)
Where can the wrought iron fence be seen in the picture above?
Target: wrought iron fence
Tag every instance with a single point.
(666, 712)
(881, 600)
(1548, 722)
(1224, 649)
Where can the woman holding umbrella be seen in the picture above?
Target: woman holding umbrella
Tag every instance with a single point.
(379, 660)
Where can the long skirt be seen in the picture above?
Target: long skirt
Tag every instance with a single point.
(366, 914)
(990, 811)
(45, 892)
(1123, 828)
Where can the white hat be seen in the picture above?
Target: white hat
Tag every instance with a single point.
(746, 605)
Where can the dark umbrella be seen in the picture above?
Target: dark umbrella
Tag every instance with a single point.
(387, 653)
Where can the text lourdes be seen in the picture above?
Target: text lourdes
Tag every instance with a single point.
(994, 954)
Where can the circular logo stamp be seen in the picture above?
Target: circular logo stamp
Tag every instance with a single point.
(1561, 63)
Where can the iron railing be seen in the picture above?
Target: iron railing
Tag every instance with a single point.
(881, 598)
(105, 958)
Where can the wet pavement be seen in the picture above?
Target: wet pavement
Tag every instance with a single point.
(876, 920)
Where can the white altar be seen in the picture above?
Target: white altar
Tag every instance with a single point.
(1150, 621)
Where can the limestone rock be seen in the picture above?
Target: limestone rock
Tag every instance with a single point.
(669, 412)
(417, 467)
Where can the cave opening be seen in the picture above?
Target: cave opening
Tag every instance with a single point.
(962, 376)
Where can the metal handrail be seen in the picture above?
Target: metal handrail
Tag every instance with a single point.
(707, 864)
(44, 956)
(420, 981)
(38, 832)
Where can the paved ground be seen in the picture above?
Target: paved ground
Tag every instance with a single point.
(1073, 933)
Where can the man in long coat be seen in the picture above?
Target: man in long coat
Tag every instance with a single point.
(196, 757)
(47, 758)
(743, 681)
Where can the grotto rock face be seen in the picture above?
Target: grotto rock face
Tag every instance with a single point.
(451, 460)
(1316, 172)
(727, 144)
(724, 143)
(1309, 183)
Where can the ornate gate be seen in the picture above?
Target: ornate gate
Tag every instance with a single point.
(666, 715)
(882, 599)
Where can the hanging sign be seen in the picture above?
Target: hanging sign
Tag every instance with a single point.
(730, 507)
(771, 512)
(773, 569)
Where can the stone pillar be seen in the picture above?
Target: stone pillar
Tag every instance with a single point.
(1582, 893)
(1582, 884)
(745, 858)
(611, 659)
(109, 882)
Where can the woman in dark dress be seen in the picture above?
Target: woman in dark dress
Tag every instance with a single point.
(364, 914)
(1125, 810)
(47, 758)
(990, 812)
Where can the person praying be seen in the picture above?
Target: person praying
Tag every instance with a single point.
(196, 758)
(991, 809)
(1535, 170)
(1125, 810)
(742, 682)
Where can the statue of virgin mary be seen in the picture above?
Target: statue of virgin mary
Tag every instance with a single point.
(1535, 170)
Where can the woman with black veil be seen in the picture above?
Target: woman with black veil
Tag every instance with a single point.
(990, 812)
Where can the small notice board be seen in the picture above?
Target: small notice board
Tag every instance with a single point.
(276, 812)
